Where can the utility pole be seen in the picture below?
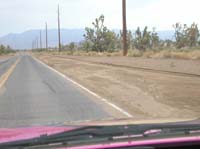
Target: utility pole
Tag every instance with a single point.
(59, 42)
(33, 45)
(37, 43)
(46, 37)
(125, 47)
(40, 39)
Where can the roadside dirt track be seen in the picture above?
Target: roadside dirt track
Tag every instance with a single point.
(146, 88)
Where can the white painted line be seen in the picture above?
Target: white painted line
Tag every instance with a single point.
(86, 89)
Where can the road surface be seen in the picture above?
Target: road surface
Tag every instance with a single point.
(35, 95)
(5, 64)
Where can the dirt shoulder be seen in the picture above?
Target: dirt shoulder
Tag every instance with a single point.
(3, 57)
(144, 94)
(171, 65)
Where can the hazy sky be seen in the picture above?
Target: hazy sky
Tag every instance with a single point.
(20, 15)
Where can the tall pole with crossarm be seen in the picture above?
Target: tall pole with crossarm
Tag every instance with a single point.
(36, 41)
(40, 39)
(59, 40)
(46, 36)
(125, 47)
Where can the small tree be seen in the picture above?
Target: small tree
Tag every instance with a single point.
(99, 37)
(186, 36)
(5, 49)
(2, 47)
(180, 35)
(193, 35)
(85, 45)
(71, 46)
(142, 40)
(109, 42)
(138, 39)
(154, 39)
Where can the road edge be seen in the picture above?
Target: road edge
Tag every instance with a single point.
(86, 89)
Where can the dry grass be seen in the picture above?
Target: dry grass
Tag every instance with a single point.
(135, 53)
(84, 53)
(168, 53)
(177, 54)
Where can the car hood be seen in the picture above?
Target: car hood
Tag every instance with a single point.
(15, 134)
(7, 135)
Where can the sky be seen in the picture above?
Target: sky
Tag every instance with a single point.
(21, 15)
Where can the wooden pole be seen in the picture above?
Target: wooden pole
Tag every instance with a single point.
(40, 39)
(59, 40)
(46, 37)
(125, 47)
(37, 46)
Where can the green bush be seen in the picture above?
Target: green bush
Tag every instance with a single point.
(5, 50)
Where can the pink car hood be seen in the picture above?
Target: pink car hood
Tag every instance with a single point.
(7, 135)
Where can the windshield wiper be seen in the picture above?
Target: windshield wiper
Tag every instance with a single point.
(98, 134)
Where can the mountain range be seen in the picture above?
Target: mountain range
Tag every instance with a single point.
(25, 40)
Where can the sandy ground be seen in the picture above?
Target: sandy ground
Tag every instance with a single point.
(3, 57)
(143, 93)
(173, 65)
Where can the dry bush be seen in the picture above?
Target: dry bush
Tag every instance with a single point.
(148, 54)
(177, 54)
(162, 54)
(165, 53)
(135, 53)
(195, 54)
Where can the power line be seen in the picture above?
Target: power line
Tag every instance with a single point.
(125, 47)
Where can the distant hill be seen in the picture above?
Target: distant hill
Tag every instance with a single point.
(24, 40)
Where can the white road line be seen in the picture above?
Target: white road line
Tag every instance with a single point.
(86, 89)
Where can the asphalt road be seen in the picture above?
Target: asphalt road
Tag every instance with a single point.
(5, 64)
(35, 95)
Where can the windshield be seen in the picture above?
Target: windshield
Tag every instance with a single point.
(98, 62)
